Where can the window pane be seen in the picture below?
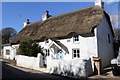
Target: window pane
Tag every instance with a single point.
(48, 54)
(7, 52)
(78, 55)
(74, 51)
(74, 55)
(76, 38)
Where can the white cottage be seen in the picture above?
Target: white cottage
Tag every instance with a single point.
(73, 36)
(9, 51)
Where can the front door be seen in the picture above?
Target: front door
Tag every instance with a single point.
(60, 55)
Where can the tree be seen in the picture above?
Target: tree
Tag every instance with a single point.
(8, 34)
(29, 48)
(116, 33)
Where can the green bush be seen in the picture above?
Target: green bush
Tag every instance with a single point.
(30, 48)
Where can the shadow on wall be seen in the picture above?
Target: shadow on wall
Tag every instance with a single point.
(74, 71)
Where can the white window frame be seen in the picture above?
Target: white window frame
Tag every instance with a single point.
(47, 52)
(75, 53)
(6, 51)
(76, 39)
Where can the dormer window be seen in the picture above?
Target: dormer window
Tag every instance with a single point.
(76, 38)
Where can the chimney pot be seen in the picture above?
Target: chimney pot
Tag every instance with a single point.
(46, 16)
(99, 3)
(47, 12)
(26, 23)
(27, 20)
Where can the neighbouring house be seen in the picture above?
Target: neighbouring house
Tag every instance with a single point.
(73, 37)
(9, 51)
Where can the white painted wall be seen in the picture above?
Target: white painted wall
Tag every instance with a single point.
(86, 45)
(44, 17)
(12, 51)
(69, 68)
(11, 56)
(99, 3)
(105, 49)
(29, 62)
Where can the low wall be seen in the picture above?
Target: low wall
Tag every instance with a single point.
(72, 68)
(29, 62)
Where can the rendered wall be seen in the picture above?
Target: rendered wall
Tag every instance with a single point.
(11, 55)
(105, 49)
(12, 49)
(29, 62)
(71, 68)
(86, 45)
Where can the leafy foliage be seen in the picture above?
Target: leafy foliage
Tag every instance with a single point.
(30, 48)
(8, 34)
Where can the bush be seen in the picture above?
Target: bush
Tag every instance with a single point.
(29, 48)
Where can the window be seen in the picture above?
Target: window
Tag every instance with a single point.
(68, 40)
(47, 52)
(108, 38)
(76, 38)
(7, 52)
(76, 53)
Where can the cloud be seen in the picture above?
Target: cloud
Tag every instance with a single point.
(110, 1)
(119, 21)
(114, 20)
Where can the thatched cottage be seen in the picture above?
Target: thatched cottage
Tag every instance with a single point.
(76, 35)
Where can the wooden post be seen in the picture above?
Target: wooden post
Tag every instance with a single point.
(97, 62)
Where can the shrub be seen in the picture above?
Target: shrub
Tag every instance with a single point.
(30, 48)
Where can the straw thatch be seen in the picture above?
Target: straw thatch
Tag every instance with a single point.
(80, 22)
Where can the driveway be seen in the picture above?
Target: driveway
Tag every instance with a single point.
(106, 75)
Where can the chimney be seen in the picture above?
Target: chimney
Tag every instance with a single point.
(26, 23)
(99, 3)
(46, 16)
(47, 12)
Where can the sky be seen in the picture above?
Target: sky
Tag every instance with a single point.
(14, 14)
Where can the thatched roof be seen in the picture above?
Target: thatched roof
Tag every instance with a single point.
(80, 22)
